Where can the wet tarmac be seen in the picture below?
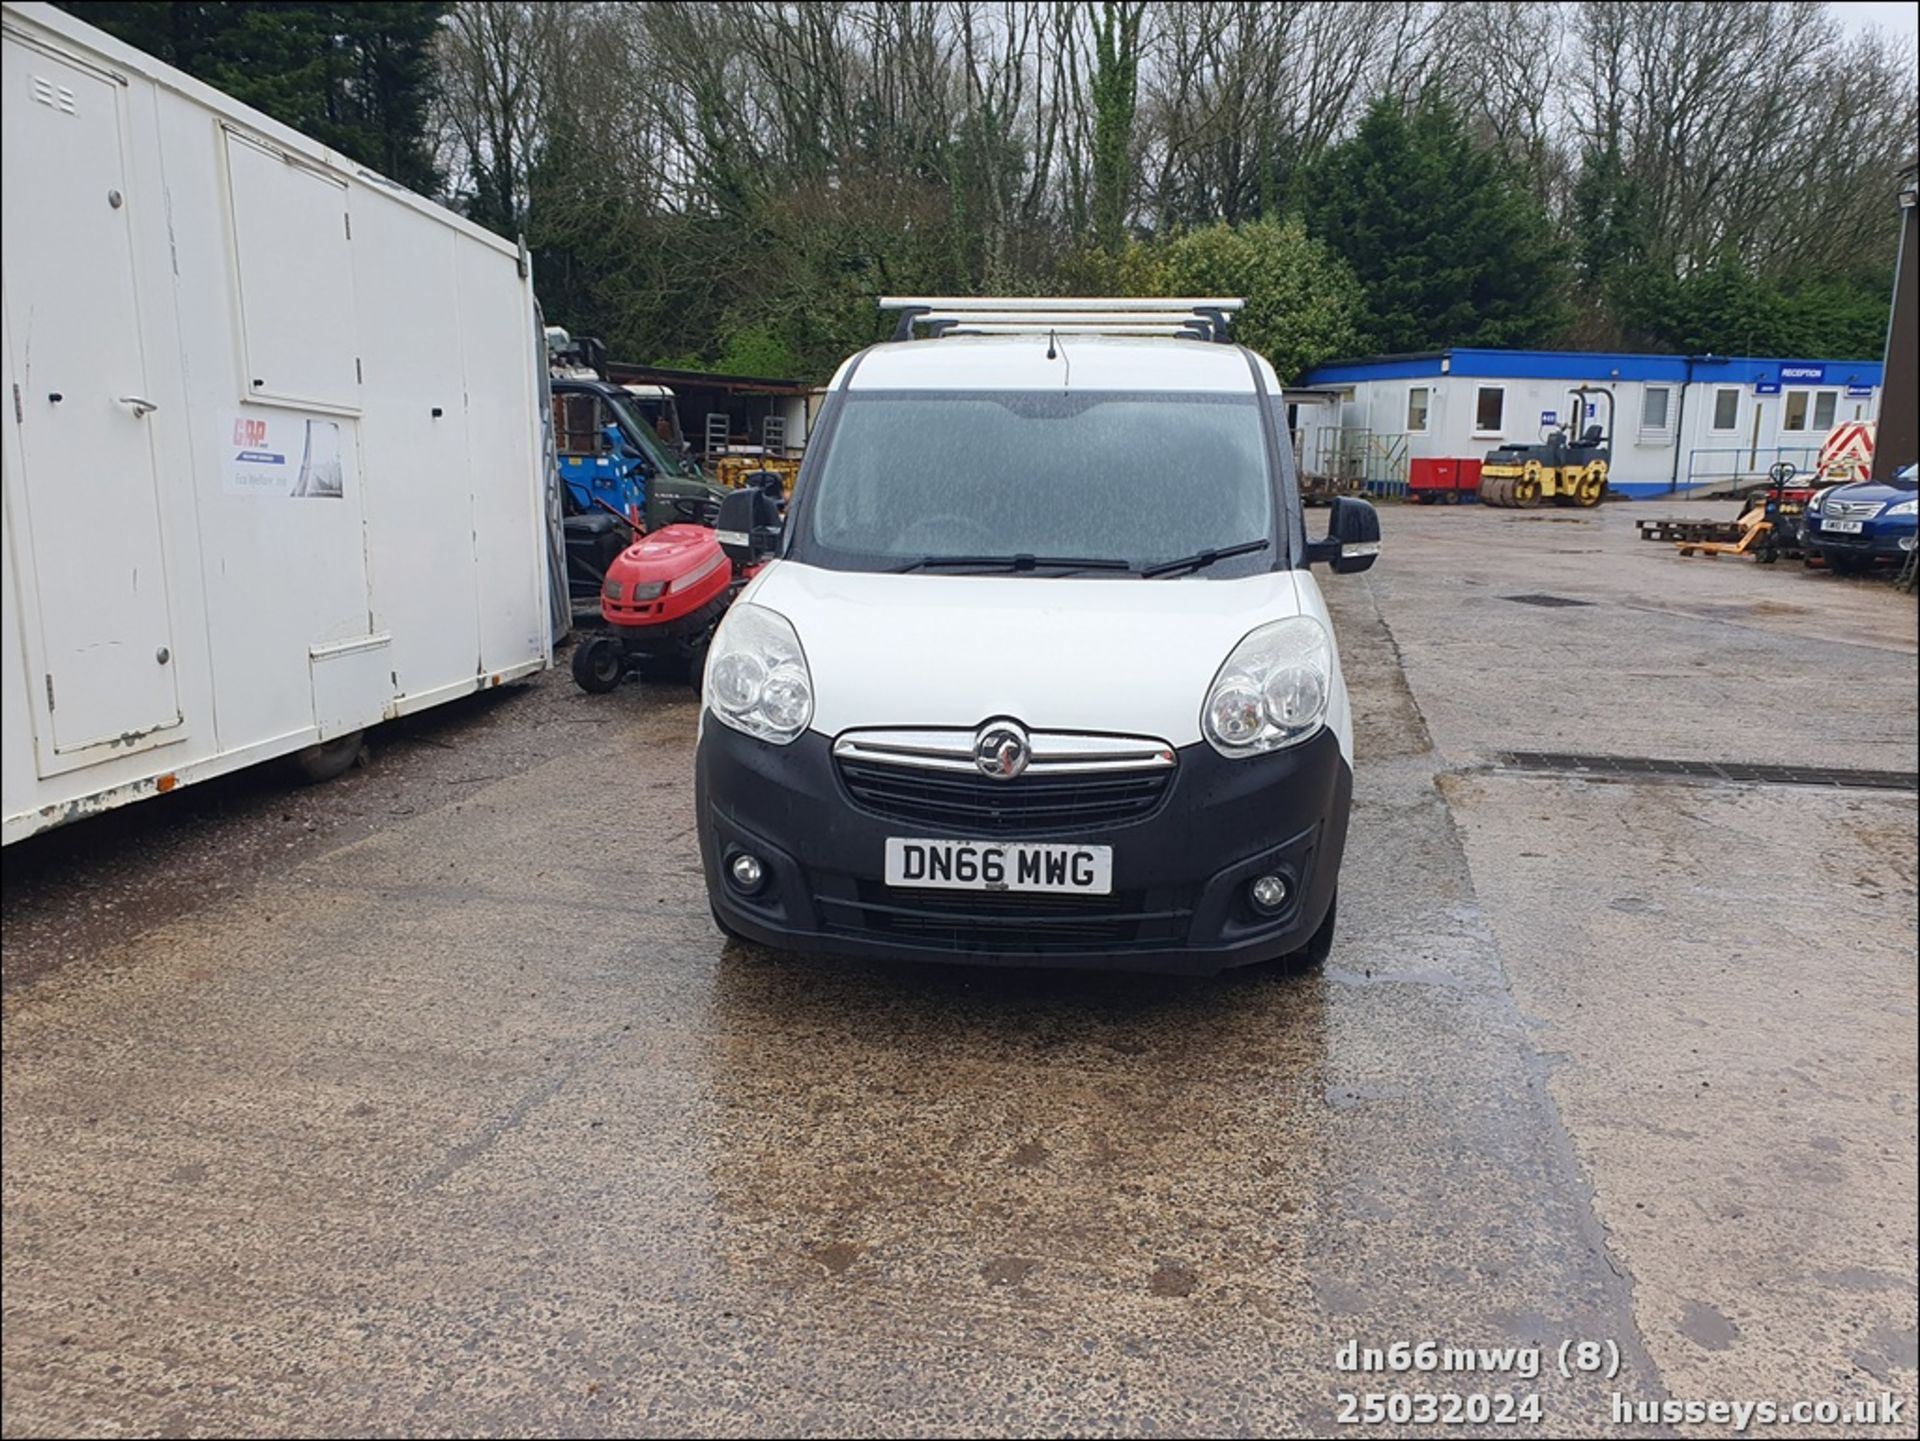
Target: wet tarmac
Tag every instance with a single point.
(451, 1110)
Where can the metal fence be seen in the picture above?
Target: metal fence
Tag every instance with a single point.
(1354, 460)
(1744, 464)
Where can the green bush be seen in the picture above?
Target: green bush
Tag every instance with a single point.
(1302, 300)
(757, 350)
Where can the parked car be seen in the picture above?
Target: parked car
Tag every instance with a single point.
(1037, 673)
(1850, 527)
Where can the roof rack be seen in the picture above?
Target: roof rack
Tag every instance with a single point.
(1190, 318)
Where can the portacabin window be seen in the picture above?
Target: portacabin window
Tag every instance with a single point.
(1656, 409)
(1419, 402)
(1825, 403)
(1795, 410)
(1726, 408)
(1489, 410)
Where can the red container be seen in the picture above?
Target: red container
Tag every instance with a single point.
(1432, 478)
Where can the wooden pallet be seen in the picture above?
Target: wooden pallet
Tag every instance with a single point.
(1676, 529)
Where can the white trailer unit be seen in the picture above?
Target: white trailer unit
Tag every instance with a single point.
(273, 454)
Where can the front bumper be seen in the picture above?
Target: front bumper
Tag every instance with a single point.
(1880, 538)
(1180, 874)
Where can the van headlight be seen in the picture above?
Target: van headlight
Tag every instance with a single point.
(757, 679)
(1273, 689)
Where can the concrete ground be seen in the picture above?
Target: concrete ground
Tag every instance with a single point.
(432, 1101)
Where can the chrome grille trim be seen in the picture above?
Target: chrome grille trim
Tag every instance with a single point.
(1054, 753)
(1851, 509)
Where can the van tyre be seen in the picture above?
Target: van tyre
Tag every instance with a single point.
(1319, 946)
(726, 930)
(329, 759)
(597, 664)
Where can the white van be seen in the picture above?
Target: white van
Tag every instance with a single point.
(1034, 671)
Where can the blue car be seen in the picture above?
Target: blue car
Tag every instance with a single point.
(1852, 526)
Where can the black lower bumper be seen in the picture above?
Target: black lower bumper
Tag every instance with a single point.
(1180, 873)
(1874, 542)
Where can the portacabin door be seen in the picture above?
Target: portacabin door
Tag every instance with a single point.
(83, 500)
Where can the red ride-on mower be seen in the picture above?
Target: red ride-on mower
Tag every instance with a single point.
(663, 596)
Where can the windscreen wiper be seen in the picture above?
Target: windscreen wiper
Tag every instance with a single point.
(1011, 562)
(1201, 559)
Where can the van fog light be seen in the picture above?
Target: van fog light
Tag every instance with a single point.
(1270, 894)
(746, 873)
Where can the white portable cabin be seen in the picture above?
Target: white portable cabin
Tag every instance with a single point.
(1680, 422)
(274, 461)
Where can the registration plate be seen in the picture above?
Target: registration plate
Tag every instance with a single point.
(1843, 527)
(999, 866)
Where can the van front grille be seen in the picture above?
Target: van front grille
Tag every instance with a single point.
(963, 806)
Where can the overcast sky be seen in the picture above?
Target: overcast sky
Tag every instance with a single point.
(1895, 17)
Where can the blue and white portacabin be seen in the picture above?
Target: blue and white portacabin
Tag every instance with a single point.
(1037, 672)
(1678, 421)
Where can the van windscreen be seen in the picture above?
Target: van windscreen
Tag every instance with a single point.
(1134, 477)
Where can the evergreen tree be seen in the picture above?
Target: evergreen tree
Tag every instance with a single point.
(1724, 308)
(1447, 248)
(357, 77)
(1610, 241)
(1114, 86)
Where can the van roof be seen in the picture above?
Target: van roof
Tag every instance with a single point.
(1084, 362)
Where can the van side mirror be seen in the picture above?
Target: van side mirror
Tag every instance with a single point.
(1353, 537)
(748, 525)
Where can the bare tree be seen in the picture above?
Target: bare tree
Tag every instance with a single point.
(489, 105)
(1727, 115)
(1244, 97)
(693, 164)
(1504, 62)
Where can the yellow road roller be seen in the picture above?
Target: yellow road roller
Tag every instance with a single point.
(1566, 472)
